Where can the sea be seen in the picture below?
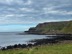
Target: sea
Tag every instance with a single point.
(12, 38)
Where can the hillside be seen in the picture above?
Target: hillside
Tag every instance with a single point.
(68, 28)
(64, 27)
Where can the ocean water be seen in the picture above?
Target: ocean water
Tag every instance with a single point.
(11, 38)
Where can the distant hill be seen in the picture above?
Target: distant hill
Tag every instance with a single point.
(63, 27)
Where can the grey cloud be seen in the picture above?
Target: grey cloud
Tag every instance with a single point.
(34, 11)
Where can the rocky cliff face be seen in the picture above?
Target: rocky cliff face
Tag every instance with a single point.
(52, 28)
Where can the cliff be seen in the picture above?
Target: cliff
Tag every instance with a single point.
(64, 27)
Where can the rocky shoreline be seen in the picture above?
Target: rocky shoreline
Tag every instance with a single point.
(53, 40)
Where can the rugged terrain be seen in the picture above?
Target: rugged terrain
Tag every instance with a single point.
(62, 27)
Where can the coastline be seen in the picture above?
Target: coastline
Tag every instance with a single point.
(38, 42)
(52, 28)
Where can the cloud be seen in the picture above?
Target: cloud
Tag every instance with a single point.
(34, 11)
(29, 2)
(54, 10)
(27, 9)
(57, 12)
(19, 2)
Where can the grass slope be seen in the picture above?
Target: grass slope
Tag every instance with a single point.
(53, 28)
(44, 49)
(68, 28)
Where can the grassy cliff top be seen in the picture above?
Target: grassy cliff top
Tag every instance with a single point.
(63, 27)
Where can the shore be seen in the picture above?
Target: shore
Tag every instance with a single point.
(53, 40)
(63, 47)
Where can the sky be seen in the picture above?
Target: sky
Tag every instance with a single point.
(20, 15)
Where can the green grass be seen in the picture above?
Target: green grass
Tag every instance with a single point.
(68, 28)
(44, 49)
(53, 28)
